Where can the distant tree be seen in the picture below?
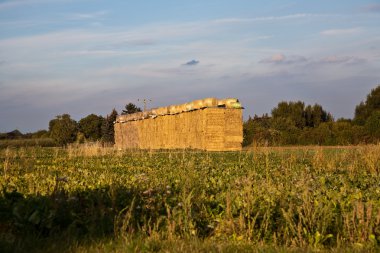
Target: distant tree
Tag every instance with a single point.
(63, 129)
(91, 126)
(248, 132)
(293, 111)
(364, 110)
(131, 108)
(40, 134)
(108, 132)
(257, 131)
(286, 129)
(343, 133)
(15, 134)
(315, 115)
(372, 126)
(323, 135)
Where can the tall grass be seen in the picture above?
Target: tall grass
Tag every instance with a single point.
(16, 143)
(285, 199)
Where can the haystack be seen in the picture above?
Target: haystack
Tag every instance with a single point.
(207, 124)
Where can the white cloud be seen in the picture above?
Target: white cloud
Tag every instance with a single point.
(337, 32)
(342, 60)
(266, 18)
(372, 8)
(91, 15)
(20, 3)
(282, 59)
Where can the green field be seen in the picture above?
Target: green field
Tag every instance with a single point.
(92, 199)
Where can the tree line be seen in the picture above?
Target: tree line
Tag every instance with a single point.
(64, 130)
(290, 123)
(294, 123)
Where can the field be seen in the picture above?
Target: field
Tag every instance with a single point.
(93, 199)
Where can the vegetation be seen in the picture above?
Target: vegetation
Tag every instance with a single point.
(90, 199)
(290, 123)
(107, 128)
(293, 123)
(365, 109)
(63, 129)
(17, 143)
(131, 108)
(90, 126)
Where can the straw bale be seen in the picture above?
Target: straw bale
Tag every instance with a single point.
(121, 118)
(178, 109)
(182, 108)
(198, 104)
(189, 106)
(221, 102)
(212, 128)
(172, 109)
(210, 102)
(162, 111)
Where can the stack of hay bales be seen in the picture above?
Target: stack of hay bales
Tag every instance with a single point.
(208, 124)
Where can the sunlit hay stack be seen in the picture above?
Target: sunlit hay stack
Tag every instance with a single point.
(206, 124)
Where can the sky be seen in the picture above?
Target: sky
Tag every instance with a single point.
(90, 56)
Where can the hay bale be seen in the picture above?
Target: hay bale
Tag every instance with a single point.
(210, 102)
(182, 108)
(137, 116)
(189, 106)
(213, 128)
(198, 104)
(172, 109)
(154, 111)
(228, 102)
(162, 111)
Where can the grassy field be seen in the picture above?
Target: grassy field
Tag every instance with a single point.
(92, 199)
(17, 143)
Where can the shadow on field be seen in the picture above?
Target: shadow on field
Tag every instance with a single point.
(54, 222)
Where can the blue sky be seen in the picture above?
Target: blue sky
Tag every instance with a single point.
(81, 56)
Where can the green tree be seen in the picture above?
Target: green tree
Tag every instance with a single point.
(322, 135)
(372, 126)
(294, 111)
(63, 129)
(257, 131)
(315, 115)
(108, 131)
(40, 134)
(91, 126)
(287, 131)
(131, 108)
(364, 110)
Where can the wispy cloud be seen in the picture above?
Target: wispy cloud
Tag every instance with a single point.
(338, 32)
(282, 59)
(84, 16)
(266, 18)
(372, 8)
(342, 60)
(20, 3)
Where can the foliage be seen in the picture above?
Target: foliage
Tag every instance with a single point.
(292, 123)
(293, 111)
(107, 128)
(364, 110)
(131, 108)
(90, 126)
(372, 125)
(63, 129)
(288, 199)
(15, 134)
